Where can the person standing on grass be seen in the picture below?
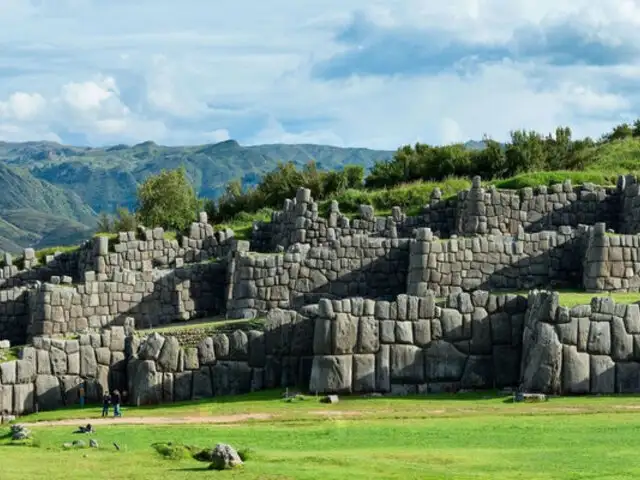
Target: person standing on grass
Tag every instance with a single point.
(116, 399)
(105, 405)
(81, 393)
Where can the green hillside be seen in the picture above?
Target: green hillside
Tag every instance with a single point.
(106, 178)
(50, 193)
(37, 214)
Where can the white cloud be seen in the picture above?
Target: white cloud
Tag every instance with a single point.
(219, 135)
(22, 106)
(180, 72)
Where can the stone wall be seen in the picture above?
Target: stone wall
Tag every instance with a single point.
(585, 349)
(151, 298)
(611, 262)
(630, 208)
(495, 261)
(413, 345)
(235, 363)
(352, 265)
(478, 210)
(157, 369)
(14, 314)
(49, 373)
(152, 250)
(484, 211)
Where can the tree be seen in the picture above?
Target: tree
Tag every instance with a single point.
(105, 224)
(125, 221)
(354, 175)
(167, 200)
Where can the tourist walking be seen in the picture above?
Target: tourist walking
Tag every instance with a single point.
(105, 405)
(116, 399)
(81, 393)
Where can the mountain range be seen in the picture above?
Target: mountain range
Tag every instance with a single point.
(51, 194)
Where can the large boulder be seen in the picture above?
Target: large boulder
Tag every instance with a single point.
(224, 457)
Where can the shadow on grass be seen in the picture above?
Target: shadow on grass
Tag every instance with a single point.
(192, 469)
(262, 402)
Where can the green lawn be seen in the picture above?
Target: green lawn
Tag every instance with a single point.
(464, 436)
(571, 298)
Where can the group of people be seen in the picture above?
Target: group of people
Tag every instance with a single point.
(114, 399)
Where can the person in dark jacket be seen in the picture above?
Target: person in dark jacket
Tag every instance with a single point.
(105, 405)
(116, 400)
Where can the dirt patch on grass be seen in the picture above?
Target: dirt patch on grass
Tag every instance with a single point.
(204, 419)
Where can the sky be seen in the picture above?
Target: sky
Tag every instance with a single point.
(361, 73)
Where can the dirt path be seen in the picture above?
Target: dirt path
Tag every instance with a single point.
(193, 419)
(220, 419)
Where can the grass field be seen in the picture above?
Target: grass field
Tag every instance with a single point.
(463, 436)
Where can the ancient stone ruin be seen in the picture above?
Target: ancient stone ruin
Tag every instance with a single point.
(399, 304)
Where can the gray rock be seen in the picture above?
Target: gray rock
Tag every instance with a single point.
(364, 374)
(603, 374)
(345, 334)
(627, 377)
(206, 352)
(478, 373)
(151, 347)
(238, 345)
(221, 346)
(383, 374)
(599, 342)
(406, 364)
(145, 383)
(368, 335)
(575, 370)
(541, 359)
(224, 457)
(451, 321)
(443, 362)
(168, 357)
(621, 341)
(331, 374)
(48, 393)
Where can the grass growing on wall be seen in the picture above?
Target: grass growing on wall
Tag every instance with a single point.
(213, 324)
(571, 298)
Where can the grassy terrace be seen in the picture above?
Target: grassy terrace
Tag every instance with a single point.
(207, 324)
(464, 436)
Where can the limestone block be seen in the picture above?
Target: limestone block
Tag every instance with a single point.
(478, 372)
(603, 374)
(406, 364)
(383, 373)
(443, 362)
(364, 374)
(331, 374)
(575, 370)
(168, 357)
(368, 335)
(206, 351)
(345, 334)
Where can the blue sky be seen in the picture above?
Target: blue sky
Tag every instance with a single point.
(369, 73)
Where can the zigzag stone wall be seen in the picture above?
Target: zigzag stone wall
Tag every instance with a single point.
(525, 261)
(151, 298)
(353, 265)
(478, 210)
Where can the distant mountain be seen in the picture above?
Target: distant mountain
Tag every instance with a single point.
(106, 178)
(50, 194)
(38, 214)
